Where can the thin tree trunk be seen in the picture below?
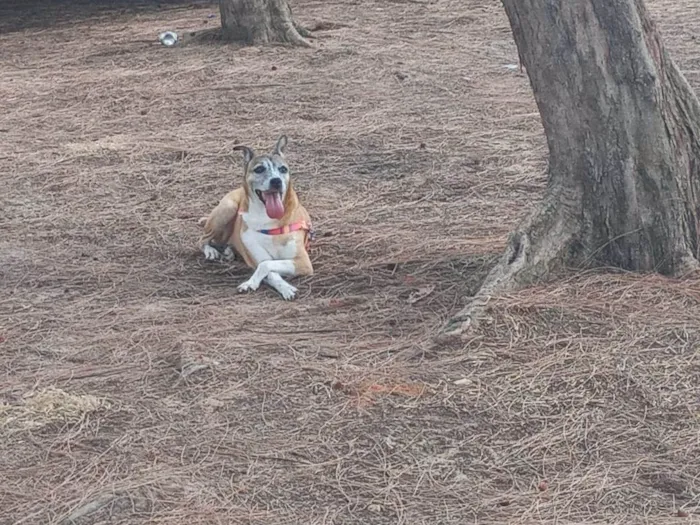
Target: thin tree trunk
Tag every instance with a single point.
(623, 130)
(259, 22)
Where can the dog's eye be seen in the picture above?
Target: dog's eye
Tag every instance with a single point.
(259, 169)
(283, 169)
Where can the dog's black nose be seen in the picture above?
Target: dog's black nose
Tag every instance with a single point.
(276, 184)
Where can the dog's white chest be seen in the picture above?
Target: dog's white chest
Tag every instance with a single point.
(264, 247)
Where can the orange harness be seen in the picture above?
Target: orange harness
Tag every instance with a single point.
(289, 228)
(294, 227)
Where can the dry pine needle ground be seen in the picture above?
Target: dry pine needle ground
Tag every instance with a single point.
(138, 387)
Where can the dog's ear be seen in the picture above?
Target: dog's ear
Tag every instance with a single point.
(279, 147)
(248, 153)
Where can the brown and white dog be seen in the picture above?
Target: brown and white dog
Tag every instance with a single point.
(264, 222)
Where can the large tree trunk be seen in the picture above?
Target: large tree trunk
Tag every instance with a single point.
(260, 22)
(623, 130)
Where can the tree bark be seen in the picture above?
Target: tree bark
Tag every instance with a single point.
(623, 132)
(258, 22)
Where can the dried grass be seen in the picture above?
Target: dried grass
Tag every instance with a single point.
(416, 151)
(48, 406)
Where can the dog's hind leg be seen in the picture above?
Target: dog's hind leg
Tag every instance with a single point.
(217, 231)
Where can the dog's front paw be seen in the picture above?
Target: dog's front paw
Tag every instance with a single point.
(287, 291)
(247, 286)
(211, 253)
(228, 254)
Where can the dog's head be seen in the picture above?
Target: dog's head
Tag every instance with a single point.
(267, 178)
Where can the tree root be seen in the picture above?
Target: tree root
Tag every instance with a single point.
(502, 278)
(542, 243)
(263, 23)
(294, 34)
(303, 32)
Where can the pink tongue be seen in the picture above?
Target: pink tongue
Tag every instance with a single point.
(273, 205)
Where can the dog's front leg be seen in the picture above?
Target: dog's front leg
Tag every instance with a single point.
(286, 290)
(272, 271)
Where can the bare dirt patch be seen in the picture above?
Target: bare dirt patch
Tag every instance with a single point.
(138, 387)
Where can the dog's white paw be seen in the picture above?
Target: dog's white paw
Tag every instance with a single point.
(228, 254)
(247, 286)
(211, 253)
(287, 291)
